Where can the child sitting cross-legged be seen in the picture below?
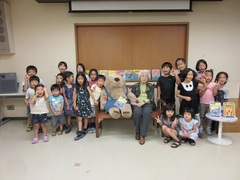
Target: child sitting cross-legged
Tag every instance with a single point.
(169, 125)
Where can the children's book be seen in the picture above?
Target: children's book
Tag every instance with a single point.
(228, 109)
(155, 74)
(103, 72)
(121, 72)
(129, 75)
(112, 72)
(120, 102)
(215, 109)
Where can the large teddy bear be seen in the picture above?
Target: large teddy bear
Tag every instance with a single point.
(115, 86)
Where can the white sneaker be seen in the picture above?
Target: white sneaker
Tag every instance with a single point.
(208, 131)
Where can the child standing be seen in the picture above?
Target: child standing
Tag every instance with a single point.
(93, 73)
(56, 103)
(81, 68)
(206, 92)
(60, 82)
(96, 91)
(39, 112)
(201, 67)
(188, 127)
(34, 80)
(68, 89)
(169, 124)
(62, 67)
(82, 104)
(166, 85)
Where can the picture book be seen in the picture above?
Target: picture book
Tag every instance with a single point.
(155, 74)
(121, 72)
(229, 109)
(104, 72)
(120, 102)
(112, 72)
(215, 109)
(129, 75)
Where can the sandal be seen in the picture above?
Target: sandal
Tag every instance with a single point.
(60, 132)
(192, 142)
(167, 139)
(184, 140)
(175, 144)
(54, 133)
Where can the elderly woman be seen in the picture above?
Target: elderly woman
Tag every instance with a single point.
(144, 105)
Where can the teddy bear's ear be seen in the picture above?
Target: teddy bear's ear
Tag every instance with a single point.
(107, 82)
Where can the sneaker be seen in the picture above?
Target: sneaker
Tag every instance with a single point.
(200, 135)
(208, 131)
(93, 129)
(29, 128)
(54, 133)
(60, 132)
(45, 139)
(80, 135)
(89, 130)
(35, 140)
(68, 129)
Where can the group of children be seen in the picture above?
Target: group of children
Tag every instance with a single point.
(195, 91)
(69, 98)
(78, 97)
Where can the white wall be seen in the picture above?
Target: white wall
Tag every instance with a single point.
(44, 35)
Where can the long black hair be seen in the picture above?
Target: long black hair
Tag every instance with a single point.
(85, 82)
(166, 108)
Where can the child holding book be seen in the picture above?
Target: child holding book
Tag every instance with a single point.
(169, 125)
(188, 127)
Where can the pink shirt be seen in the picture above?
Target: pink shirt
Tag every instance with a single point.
(208, 95)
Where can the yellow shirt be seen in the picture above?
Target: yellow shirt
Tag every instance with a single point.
(143, 94)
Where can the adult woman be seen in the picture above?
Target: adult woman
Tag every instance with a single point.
(143, 107)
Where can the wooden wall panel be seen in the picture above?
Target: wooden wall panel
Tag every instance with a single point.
(144, 46)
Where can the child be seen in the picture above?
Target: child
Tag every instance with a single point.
(93, 73)
(60, 82)
(201, 67)
(169, 124)
(206, 92)
(56, 103)
(188, 127)
(82, 103)
(96, 91)
(81, 68)
(31, 71)
(68, 89)
(62, 67)
(166, 85)
(34, 80)
(39, 112)
(180, 64)
(221, 91)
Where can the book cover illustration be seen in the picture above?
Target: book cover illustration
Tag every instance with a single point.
(228, 109)
(112, 72)
(121, 72)
(129, 75)
(155, 74)
(215, 109)
(120, 102)
(104, 72)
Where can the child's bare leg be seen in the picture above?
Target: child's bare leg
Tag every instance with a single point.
(68, 124)
(79, 122)
(36, 128)
(85, 122)
(172, 133)
(61, 127)
(44, 128)
(68, 120)
(164, 127)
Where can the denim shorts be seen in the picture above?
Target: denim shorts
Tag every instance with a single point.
(39, 118)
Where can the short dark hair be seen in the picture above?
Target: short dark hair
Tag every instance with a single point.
(55, 86)
(100, 76)
(67, 74)
(62, 63)
(166, 108)
(185, 72)
(34, 78)
(95, 70)
(167, 64)
(189, 110)
(218, 74)
(39, 85)
(82, 65)
(31, 67)
(198, 63)
(180, 59)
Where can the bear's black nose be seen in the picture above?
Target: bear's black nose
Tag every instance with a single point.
(116, 79)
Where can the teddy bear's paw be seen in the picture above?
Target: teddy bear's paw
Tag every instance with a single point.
(114, 113)
(126, 114)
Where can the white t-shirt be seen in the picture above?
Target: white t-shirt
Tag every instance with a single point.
(40, 106)
(96, 93)
(29, 94)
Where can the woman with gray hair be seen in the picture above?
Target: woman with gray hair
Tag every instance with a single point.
(143, 107)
